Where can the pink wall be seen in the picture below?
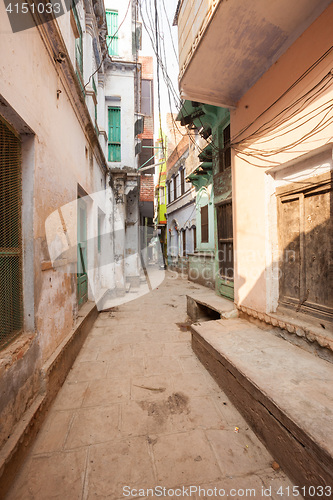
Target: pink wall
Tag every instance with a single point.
(251, 185)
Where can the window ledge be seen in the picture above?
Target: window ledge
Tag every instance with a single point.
(180, 197)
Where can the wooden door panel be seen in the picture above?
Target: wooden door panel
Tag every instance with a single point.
(290, 250)
(318, 248)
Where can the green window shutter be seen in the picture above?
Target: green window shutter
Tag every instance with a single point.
(96, 124)
(78, 42)
(112, 37)
(11, 309)
(99, 233)
(114, 144)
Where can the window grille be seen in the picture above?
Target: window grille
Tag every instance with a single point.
(11, 310)
(147, 153)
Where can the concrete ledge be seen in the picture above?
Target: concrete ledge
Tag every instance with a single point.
(202, 304)
(58, 365)
(54, 372)
(285, 394)
(302, 330)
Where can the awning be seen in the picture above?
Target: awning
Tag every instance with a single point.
(206, 154)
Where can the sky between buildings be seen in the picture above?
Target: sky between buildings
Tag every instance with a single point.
(168, 40)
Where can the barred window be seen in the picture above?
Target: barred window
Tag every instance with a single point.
(11, 309)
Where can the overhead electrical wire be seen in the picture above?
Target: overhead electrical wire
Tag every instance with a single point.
(272, 124)
(281, 124)
(304, 74)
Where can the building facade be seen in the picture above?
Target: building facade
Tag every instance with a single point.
(70, 192)
(280, 132)
(56, 206)
(122, 108)
(209, 171)
(147, 153)
(160, 194)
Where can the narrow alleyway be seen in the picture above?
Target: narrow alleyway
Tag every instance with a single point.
(138, 410)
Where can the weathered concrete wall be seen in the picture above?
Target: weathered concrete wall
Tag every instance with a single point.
(201, 268)
(20, 381)
(58, 155)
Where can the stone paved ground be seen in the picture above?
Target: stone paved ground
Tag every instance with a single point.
(138, 410)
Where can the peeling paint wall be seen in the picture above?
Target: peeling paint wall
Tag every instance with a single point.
(58, 155)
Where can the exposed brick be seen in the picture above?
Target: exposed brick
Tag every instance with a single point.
(147, 188)
(147, 67)
(178, 152)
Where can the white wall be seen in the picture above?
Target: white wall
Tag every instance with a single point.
(120, 84)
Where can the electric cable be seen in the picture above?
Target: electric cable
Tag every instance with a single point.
(304, 74)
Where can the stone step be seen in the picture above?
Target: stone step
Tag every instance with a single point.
(204, 304)
(284, 392)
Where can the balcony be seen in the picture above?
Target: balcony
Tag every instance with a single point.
(226, 46)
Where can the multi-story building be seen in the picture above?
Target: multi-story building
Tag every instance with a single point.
(69, 206)
(160, 193)
(123, 124)
(270, 65)
(210, 173)
(147, 154)
(181, 209)
(55, 230)
(277, 133)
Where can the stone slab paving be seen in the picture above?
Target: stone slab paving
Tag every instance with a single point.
(138, 411)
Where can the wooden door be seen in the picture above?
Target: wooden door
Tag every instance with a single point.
(306, 243)
(225, 278)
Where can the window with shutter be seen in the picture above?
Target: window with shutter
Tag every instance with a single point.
(146, 97)
(114, 144)
(11, 309)
(182, 180)
(78, 44)
(225, 154)
(204, 224)
(175, 188)
(112, 37)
